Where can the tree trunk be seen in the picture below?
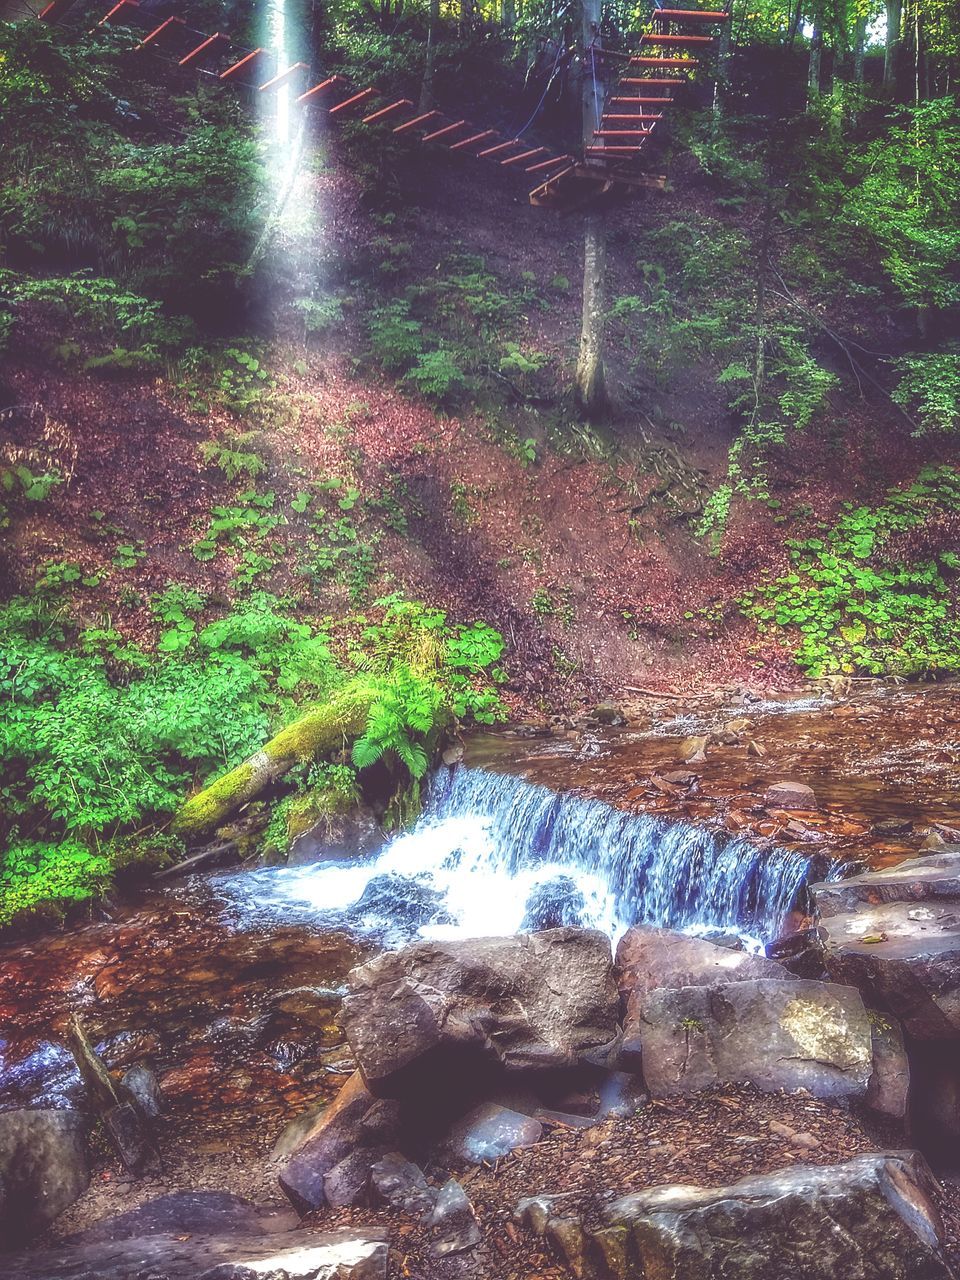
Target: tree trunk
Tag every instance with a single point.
(591, 389)
(723, 65)
(859, 47)
(508, 14)
(426, 84)
(320, 732)
(813, 70)
(891, 56)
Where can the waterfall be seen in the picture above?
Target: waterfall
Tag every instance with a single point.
(493, 854)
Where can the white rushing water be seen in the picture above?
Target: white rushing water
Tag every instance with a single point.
(493, 854)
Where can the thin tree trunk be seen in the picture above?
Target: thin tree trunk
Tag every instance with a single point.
(891, 56)
(426, 84)
(591, 389)
(723, 64)
(859, 48)
(813, 70)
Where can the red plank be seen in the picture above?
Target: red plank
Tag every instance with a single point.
(525, 155)
(242, 65)
(442, 133)
(205, 46)
(387, 111)
(117, 8)
(621, 133)
(648, 80)
(55, 10)
(548, 164)
(675, 42)
(153, 36)
(320, 88)
(284, 77)
(626, 115)
(412, 124)
(476, 137)
(504, 146)
(362, 96)
(689, 15)
(663, 62)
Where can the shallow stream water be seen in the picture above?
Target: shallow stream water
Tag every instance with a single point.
(229, 983)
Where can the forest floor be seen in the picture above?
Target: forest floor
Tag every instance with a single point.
(581, 550)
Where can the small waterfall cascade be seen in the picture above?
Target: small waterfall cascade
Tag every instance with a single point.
(493, 854)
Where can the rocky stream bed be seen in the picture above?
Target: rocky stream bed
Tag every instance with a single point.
(365, 1070)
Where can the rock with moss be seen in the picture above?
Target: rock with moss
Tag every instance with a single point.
(772, 1033)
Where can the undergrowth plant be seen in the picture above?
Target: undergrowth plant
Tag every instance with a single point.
(857, 604)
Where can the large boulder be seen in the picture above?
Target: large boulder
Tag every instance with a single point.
(431, 1011)
(43, 1169)
(873, 1218)
(329, 1152)
(774, 1034)
(648, 958)
(895, 934)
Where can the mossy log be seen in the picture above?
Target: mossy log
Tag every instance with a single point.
(320, 731)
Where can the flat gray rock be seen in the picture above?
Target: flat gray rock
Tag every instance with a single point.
(915, 880)
(492, 1131)
(873, 1218)
(774, 1034)
(43, 1169)
(296, 1255)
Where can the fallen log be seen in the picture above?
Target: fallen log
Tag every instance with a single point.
(124, 1125)
(320, 731)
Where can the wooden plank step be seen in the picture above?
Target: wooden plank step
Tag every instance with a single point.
(524, 155)
(118, 12)
(678, 42)
(417, 120)
(640, 102)
(476, 137)
(330, 83)
(204, 47)
(399, 105)
(689, 63)
(153, 36)
(628, 115)
(442, 133)
(690, 15)
(548, 164)
(347, 103)
(503, 146)
(647, 80)
(55, 10)
(622, 133)
(284, 77)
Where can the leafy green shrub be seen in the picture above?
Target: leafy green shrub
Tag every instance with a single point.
(855, 609)
(437, 375)
(395, 337)
(931, 383)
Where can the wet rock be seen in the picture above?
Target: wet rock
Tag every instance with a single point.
(790, 795)
(335, 836)
(801, 953)
(452, 1220)
(401, 900)
(915, 880)
(196, 1212)
(889, 1087)
(694, 750)
(873, 1218)
(417, 1017)
(143, 1089)
(609, 713)
(382, 1123)
(124, 1124)
(787, 1034)
(554, 904)
(399, 1183)
(347, 1183)
(358, 1254)
(648, 958)
(453, 755)
(43, 1169)
(904, 956)
(492, 1131)
(319, 1142)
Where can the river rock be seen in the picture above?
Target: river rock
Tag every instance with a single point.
(888, 1091)
(399, 1183)
(43, 1169)
(492, 1131)
(790, 795)
(319, 1143)
(554, 904)
(648, 958)
(144, 1091)
(358, 1254)
(904, 956)
(916, 880)
(421, 1017)
(873, 1218)
(774, 1034)
(800, 953)
(452, 1221)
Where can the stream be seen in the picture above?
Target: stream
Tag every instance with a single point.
(229, 982)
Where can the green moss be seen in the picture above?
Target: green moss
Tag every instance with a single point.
(203, 811)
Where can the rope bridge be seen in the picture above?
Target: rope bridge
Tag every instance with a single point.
(667, 57)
